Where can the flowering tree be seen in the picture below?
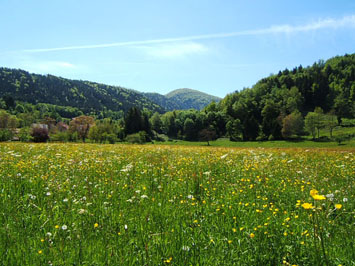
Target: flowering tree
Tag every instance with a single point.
(81, 125)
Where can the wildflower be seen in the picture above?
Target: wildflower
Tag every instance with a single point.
(330, 196)
(313, 192)
(57, 226)
(252, 235)
(64, 227)
(40, 251)
(230, 241)
(318, 197)
(48, 193)
(96, 225)
(65, 200)
(234, 230)
(338, 206)
(307, 206)
(168, 260)
(345, 199)
(224, 156)
(185, 248)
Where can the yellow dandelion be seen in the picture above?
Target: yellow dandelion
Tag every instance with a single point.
(168, 260)
(313, 192)
(57, 227)
(318, 197)
(307, 206)
(252, 235)
(96, 225)
(338, 206)
(234, 230)
(230, 241)
(40, 251)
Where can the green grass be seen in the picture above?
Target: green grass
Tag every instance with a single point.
(88, 204)
(264, 144)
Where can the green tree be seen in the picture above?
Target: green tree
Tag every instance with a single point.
(292, 124)
(330, 122)
(311, 121)
(189, 129)
(156, 122)
(234, 129)
(270, 124)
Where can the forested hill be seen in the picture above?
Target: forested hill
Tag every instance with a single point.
(183, 99)
(328, 85)
(84, 95)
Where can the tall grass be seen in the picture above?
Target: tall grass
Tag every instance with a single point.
(85, 204)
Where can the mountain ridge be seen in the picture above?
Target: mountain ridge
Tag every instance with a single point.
(88, 96)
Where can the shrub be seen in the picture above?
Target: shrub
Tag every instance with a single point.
(5, 134)
(140, 137)
(40, 134)
(25, 134)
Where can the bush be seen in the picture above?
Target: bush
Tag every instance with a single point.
(140, 137)
(40, 134)
(61, 136)
(5, 134)
(25, 134)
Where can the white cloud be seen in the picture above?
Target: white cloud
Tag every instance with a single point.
(174, 50)
(329, 23)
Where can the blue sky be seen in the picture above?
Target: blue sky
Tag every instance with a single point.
(160, 45)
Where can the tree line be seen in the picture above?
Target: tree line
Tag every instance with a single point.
(286, 105)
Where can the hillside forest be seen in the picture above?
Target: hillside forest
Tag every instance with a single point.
(287, 105)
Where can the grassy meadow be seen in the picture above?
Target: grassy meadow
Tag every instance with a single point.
(88, 204)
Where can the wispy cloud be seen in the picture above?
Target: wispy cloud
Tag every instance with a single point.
(174, 50)
(330, 23)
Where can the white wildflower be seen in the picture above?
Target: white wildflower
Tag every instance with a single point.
(224, 156)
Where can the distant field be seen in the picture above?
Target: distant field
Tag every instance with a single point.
(87, 204)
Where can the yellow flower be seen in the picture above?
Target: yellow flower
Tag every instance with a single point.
(307, 206)
(252, 235)
(313, 192)
(168, 260)
(318, 197)
(338, 206)
(96, 225)
(234, 230)
(57, 226)
(230, 241)
(39, 251)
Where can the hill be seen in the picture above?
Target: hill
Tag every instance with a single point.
(183, 99)
(84, 95)
(260, 111)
